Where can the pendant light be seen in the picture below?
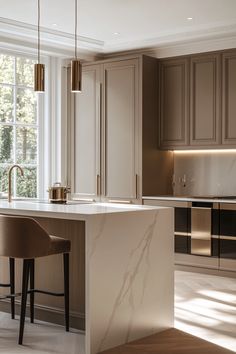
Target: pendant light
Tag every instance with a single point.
(76, 68)
(39, 69)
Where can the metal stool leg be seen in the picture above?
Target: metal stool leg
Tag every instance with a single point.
(32, 268)
(12, 286)
(66, 289)
(25, 282)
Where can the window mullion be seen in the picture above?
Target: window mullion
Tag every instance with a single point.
(14, 127)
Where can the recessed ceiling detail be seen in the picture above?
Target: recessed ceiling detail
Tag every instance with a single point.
(109, 25)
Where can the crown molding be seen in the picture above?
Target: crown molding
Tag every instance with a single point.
(197, 34)
(181, 47)
(15, 33)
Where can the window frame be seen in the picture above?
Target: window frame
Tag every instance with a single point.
(40, 124)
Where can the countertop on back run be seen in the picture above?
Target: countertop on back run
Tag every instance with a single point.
(190, 199)
(73, 211)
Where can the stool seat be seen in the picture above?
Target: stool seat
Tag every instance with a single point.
(58, 245)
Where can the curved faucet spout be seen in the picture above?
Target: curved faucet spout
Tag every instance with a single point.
(9, 179)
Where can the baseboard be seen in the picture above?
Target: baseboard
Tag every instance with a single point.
(193, 269)
(48, 314)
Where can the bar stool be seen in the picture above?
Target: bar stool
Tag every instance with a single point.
(24, 238)
(11, 285)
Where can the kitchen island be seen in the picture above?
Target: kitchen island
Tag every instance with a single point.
(122, 268)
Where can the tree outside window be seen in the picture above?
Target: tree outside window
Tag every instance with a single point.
(18, 125)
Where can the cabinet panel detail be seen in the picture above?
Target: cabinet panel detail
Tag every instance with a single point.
(87, 134)
(229, 99)
(205, 100)
(174, 103)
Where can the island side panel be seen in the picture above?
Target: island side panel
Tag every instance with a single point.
(129, 277)
(49, 275)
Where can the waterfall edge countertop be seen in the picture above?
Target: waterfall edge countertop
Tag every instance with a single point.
(80, 211)
(128, 266)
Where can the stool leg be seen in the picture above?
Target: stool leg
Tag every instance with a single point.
(66, 288)
(32, 267)
(25, 282)
(12, 287)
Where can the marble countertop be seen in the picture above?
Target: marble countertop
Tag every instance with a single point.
(190, 199)
(80, 211)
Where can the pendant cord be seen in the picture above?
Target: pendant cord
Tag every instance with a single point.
(76, 5)
(38, 31)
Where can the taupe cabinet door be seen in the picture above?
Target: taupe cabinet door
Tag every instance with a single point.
(229, 99)
(205, 100)
(174, 103)
(87, 134)
(120, 91)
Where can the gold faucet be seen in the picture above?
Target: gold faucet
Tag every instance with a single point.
(9, 179)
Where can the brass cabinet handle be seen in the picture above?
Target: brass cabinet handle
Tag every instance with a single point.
(98, 185)
(136, 185)
(119, 201)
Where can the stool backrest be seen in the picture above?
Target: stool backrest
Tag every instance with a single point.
(22, 237)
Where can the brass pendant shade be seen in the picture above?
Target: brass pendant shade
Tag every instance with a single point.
(39, 74)
(76, 67)
(39, 69)
(76, 76)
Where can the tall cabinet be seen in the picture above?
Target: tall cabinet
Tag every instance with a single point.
(120, 129)
(87, 138)
(114, 130)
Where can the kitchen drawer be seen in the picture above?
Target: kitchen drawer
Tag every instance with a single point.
(227, 233)
(182, 244)
(228, 247)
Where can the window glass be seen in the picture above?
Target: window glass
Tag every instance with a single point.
(7, 69)
(19, 127)
(6, 104)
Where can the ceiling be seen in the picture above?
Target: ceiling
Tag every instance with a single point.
(114, 25)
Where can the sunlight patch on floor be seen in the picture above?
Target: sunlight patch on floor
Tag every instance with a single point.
(205, 306)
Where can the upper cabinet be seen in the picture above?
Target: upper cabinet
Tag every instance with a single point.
(207, 114)
(229, 99)
(205, 100)
(174, 103)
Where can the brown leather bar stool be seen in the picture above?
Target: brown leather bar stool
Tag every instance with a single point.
(23, 237)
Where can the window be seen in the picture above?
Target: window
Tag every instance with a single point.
(19, 125)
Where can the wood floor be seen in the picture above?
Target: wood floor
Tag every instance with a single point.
(172, 341)
(205, 306)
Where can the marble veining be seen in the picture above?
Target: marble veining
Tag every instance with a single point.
(98, 236)
(132, 248)
(137, 256)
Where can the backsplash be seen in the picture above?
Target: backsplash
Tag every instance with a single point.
(205, 173)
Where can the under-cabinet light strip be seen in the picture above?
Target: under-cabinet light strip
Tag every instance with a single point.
(216, 151)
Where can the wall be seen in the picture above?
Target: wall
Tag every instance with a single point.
(205, 173)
